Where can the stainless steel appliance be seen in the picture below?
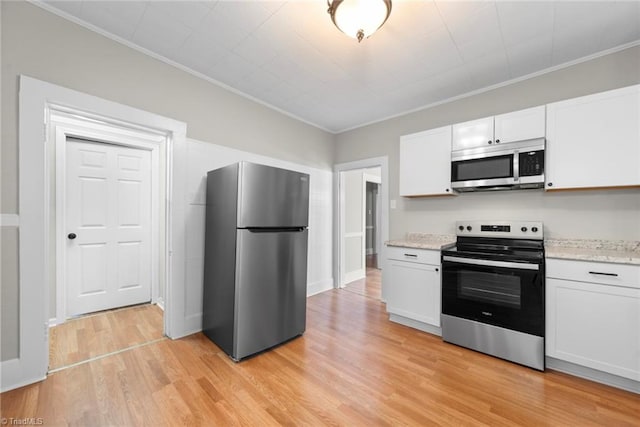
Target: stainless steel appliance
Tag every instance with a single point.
(255, 274)
(493, 290)
(514, 165)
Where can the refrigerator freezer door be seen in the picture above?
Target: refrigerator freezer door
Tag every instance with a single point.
(272, 197)
(271, 289)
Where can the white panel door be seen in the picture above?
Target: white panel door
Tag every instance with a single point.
(108, 226)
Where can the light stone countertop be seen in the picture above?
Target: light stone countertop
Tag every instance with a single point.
(424, 241)
(614, 251)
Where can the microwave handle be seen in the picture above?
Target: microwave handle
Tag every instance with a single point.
(516, 165)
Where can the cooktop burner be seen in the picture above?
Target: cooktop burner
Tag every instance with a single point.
(499, 240)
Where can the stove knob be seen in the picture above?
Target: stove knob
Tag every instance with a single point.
(523, 229)
(534, 229)
(461, 228)
(469, 228)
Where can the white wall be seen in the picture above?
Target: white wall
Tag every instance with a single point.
(39, 44)
(572, 214)
(203, 157)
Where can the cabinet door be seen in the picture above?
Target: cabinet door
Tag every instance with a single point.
(414, 291)
(425, 163)
(520, 125)
(594, 325)
(476, 133)
(594, 141)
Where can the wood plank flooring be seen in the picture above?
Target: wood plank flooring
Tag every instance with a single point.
(370, 286)
(97, 334)
(352, 367)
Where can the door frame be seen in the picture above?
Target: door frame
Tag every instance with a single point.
(383, 163)
(65, 123)
(376, 226)
(34, 177)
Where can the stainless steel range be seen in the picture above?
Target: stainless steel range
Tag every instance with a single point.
(493, 290)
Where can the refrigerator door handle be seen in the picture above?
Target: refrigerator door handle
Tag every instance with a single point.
(274, 229)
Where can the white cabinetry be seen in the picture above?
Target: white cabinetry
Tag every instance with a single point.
(413, 288)
(515, 126)
(593, 315)
(594, 141)
(425, 163)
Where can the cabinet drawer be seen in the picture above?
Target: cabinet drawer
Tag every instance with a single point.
(595, 272)
(422, 256)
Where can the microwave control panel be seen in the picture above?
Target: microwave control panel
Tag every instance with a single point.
(531, 163)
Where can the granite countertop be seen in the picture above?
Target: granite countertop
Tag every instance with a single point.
(424, 241)
(614, 251)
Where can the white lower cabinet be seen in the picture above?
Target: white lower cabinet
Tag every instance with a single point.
(593, 315)
(413, 288)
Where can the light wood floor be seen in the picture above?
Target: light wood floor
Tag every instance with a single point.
(370, 286)
(102, 333)
(352, 367)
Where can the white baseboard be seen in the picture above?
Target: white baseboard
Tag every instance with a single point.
(53, 322)
(352, 276)
(424, 327)
(319, 287)
(11, 376)
(593, 374)
(160, 303)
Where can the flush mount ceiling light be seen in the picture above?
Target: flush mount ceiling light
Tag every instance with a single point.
(359, 18)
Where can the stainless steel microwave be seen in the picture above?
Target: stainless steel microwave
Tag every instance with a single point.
(509, 166)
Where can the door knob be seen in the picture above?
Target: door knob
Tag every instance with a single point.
(72, 236)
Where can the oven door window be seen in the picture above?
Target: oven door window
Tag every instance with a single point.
(505, 297)
(503, 290)
(483, 168)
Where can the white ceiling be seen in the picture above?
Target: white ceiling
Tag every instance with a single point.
(289, 55)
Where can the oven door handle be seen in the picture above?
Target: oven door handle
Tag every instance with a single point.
(491, 263)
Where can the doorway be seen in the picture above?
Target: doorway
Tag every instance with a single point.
(361, 202)
(372, 224)
(37, 227)
(107, 216)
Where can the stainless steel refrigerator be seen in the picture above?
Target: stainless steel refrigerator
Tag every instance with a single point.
(255, 273)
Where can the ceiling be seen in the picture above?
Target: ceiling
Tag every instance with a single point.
(290, 56)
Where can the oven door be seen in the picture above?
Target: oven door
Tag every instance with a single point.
(505, 294)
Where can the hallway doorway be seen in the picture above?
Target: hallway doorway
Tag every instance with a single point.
(362, 218)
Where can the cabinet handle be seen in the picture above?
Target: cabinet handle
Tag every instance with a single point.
(437, 269)
(549, 184)
(411, 255)
(489, 142)
(604, 274)
(446, 189)
(497, 141)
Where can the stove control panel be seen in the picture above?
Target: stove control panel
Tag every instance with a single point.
(503, 229)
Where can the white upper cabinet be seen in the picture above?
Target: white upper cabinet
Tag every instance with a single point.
(594, 141)
(515, 126)
(520, 125)
(476, 133)
(425, 163)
